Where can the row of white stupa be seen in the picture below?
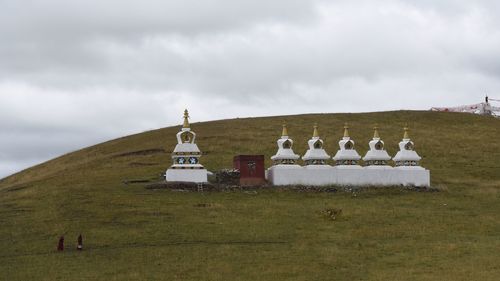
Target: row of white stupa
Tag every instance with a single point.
(407, 171)
(286, 171)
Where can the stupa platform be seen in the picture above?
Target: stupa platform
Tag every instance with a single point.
(324, 175)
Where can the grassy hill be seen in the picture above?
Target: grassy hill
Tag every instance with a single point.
(132, 233)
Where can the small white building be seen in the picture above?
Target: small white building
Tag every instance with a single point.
(186, 165)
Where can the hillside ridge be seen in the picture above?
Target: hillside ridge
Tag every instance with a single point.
(219, 140)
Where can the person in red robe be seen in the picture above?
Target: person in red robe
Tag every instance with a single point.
(79, 246)
(60, 246)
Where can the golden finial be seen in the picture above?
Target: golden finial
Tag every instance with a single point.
(316, 134)
(407, 135)
(346, 131)
(375, 132)
(284, 133)
(186, 121)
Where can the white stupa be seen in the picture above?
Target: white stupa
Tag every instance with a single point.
(285, 154)
(315, 155)
(408, 170)
(347, 155)
(186, 166)
(406, 156)
(285, 170)
(377, 156)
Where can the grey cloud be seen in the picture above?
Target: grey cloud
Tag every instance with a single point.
(64, 33)
(114, 18)
(345, 42)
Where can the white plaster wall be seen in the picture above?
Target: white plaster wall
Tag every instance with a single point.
(349, 175)
(379, 175)
(319, 175)
(182, 175)
(285, 175)
(416, 176)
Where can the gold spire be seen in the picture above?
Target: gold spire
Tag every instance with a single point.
(346, 131)
(186, 121)
(375, 132)
(284, 133)
(315, 134)
(406, 136)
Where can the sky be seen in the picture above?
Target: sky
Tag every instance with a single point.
(76, 73)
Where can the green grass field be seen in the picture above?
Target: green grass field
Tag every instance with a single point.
(133, 233)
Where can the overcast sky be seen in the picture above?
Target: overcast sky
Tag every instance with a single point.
(74, 73)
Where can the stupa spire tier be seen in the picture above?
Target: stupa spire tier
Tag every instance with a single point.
(406, 136)
(315, 132)
(185, 125)
(346, 130)
(375, 132)
(284, 131)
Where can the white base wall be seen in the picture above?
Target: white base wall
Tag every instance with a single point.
(416, 176)
(284, 174)
(319, 175)
(187, 175)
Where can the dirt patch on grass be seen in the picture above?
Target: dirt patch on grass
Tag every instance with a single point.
(140, 152)
(136, 181)
(332, 213)
(138, 164)
(208, 205)
(16, 188)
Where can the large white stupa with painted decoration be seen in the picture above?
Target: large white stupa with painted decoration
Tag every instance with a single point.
(186, 165)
